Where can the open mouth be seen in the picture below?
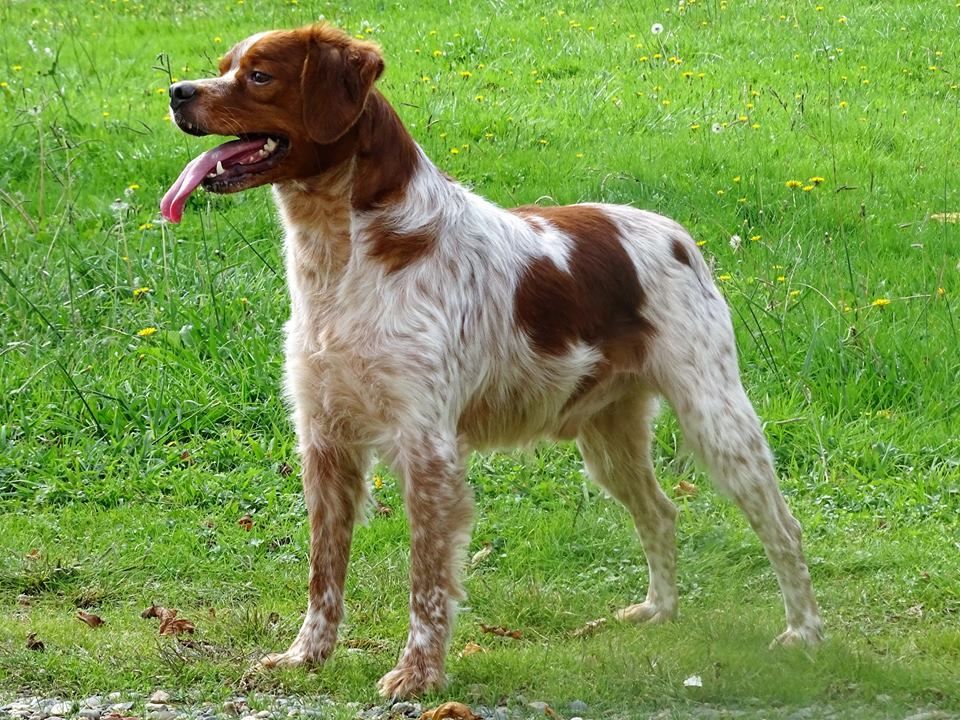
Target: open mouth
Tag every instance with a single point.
(233, 166)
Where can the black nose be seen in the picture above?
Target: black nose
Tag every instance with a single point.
(181, 93)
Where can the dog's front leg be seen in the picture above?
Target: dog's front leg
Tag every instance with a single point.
(439, 505)
(333, 488)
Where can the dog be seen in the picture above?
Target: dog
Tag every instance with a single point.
(426, 322)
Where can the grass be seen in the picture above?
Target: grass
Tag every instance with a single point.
(127, 455)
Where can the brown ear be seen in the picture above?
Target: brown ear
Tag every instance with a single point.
(334, 85)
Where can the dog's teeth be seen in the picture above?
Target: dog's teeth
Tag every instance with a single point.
(220, 170)
(270, 145)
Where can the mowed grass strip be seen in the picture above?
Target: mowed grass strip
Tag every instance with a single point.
(807, 146)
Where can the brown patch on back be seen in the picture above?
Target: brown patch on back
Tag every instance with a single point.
(396, 250)
(680, 253)
(597, 302)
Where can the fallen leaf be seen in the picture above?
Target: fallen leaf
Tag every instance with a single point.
(157, 611)
(186, 458)
(384, 510)
(482, 554)
(501, 631)
(590, 628)
(89, 618)
(246, 522)
(472, 648)
(176, 626)
(949, 217)
(916, 611)
(284, 470)
(33, 643)
(455, 710)
(33, 555)
(685, 489)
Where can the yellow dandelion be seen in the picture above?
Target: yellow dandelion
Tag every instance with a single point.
(146, 226)
(479, 98)
(701, 243)
(941, 292)
(695, 126)
(721, 193)
(842, 19)
(218, 39)
(438, 53)
(17, 68)
(466, 74)
(756, 238)
(881, 302)
(687, 75)
(808, 188)
(140, 292)
(454, 151)
(794, 293)
(724, 277)
(792, 184)
(4, 84)
(842, 104)
(377, 481)
(146, 332)
(816, 180)
(133, 186)
(781, 278)
(755, 126)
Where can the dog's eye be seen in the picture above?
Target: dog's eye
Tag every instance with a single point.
(260, 78)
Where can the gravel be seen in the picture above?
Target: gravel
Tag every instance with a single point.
(160, 705)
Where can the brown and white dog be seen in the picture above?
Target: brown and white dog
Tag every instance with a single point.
(426, 322)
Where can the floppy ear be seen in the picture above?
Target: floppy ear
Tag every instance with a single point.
(334, 86)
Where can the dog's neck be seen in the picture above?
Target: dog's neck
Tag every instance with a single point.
(365, 173)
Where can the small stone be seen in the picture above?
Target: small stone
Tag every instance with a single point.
(94, 701)
(578, 707)
(541, 707)
(121, 707)
(91, 713)
(264, 714)
(249, 717)
(160, 696)
(409, 709)
(115, 697)
(165, 714)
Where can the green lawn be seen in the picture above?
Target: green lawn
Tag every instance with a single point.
(823, 136)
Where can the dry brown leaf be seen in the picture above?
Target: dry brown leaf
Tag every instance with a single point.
(33, 643)
(472, 648)
(685, 489)
(384, 510)
(246, 522)
(176, 626)
(482, 554)
(212, 612)
(89, 618)
(454, 710)
(33, 555)
(284, 470)
(501, 631)
(186, 458)
(157, 611)
(949, 217)
(590, 628)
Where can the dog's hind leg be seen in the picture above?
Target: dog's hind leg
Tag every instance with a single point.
(696, 369)
(615, 444)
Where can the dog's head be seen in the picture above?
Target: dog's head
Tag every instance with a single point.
(291, 97)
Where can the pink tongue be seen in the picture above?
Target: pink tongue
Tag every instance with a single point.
(171, 207)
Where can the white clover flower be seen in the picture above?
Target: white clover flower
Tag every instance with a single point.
(656, 28)
(716, 127)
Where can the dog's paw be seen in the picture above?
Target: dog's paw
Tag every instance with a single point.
(806, 635)
(410, 679)
(646, 612)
